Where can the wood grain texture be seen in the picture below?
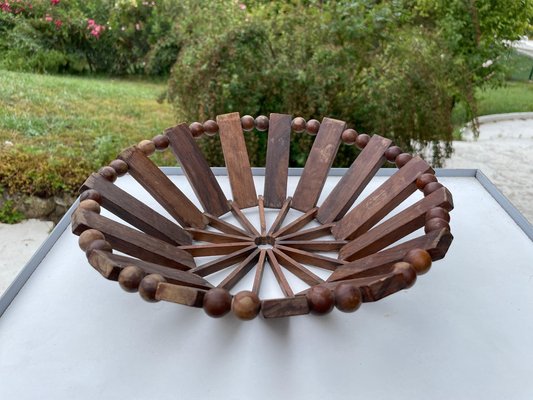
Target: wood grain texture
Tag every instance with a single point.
(317, 260)
(354, 181)
(217, 249)
(240, 271)
(136, 213)
(297, 224)
(197, 170)
(287, 307)
(396, 227)
(237, 160)
(202, 235)
(277, 160)
(259, 272)
(224, 226)
(162, 189)
(278, 273)
(314, 245)
(180, 294)
(243, 220)
(297, 269)
(318, 164)
(262, 217)
(308, 234)
(280, 217)
(223, 262)
(382, 201)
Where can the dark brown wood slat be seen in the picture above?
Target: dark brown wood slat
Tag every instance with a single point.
(354, 180)
(287, 307)
(205, 250)
(243, 220)
(280, 217)
(297, 269)
(138, 214)
(277, 160)
(436, 243)
(308, 234)
(262, 218)
(240, 271)
(202, 235)
(314, 245)
(304, 257)
(318, 164)
(110, 265)
(237, 160)
(180, 294)
(223, 262)
(298, 223)
(259, 271)
(397, 227)
(226, 227)
(197, 170)
(162, 189)
(133, 242)
(382, 201)
(278, 273)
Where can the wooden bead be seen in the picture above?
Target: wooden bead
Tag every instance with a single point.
(438, 212)
(247, 123)
(161, 142)
(130, 278)
(89, 236)
(98, 244)
(210, 127)
(298, 124)
(435, 224)
(119, 166)
(407, 271)
(347, 297)
(420, 260)
(312, 126)
(424, 179)
(349, 136)
(261, 123)
(362, 140)
(217, 302)
(431, 187)
(147, 147)
(197, 130)
(148, 287)
(320, 299)
(91, 194)
(403, 159)
(246, 305)
(108, 173)
(90, 205)
(392, 152)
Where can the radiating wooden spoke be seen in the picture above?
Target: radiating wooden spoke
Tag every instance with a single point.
(281, 216)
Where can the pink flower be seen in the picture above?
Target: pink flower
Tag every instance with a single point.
(54, 2)
(90, 22)
(48, 18)
(242, 6)
(58, 23)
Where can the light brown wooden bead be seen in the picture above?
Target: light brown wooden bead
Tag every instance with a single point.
(210, 127)
(320, 299)
(217, 302)
(91, 194)
(362, 140)
(407, 271)
(120, 167)
(403, 159)
(89, 236)
(424, 179)
(312, 126)
(247, 123)
(197, 130)
(147, 147)
(438, 212)
(435, 224)
(298, 124)
(98, 244)
(130, 278)
(246, 305)
(148, 287)
(108, 173)
(392, 152)
(261, 123)
(349, 136)
(431, 187)
(90, 205)
(161, 142)
(420, 260)
(347, 297)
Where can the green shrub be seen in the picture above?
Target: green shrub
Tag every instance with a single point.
(8, 214)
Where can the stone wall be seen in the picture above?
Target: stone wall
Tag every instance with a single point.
(51, 209)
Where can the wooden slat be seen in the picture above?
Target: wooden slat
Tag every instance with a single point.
(262, 217)
(287, 307)
(382, 201)
(197, 170)
(131, 241)
(304, 257)
(314, 245)
(297, 269)
(354, 181)
(202, 235)
(298, 223)
(237, 161)
(205, 250)
(162, 189)
(308, 234)
(136, 213)
(318, 163)
(436, 243)
(240, 271)
(224, 226)
(245, 222)
(397, 227)
(277, 160)
(180, 294)
(278, 273)
(280, 217)
(259, 271)
(223, 262)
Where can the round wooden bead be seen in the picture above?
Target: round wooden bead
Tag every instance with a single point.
(148, 287)
(210, 127)
(108, 173)
(89, 236)
(420, 259)
(403, 159)
(407, 271)
(247, 123)
(161, 142)
(130, 278)
(431, 187)
(261, 123)
(245, 305)
(347, 297)
(438, 212)
(90, 205)
(217, 302)
(312, 126)
(424, 179)
(435, 224)
(91, 194)
(147, 147)
(119, 166)
(298, 124)
(197, 129)
(98, 244)
(362, 140)
(392, 152)
(349, 136)
(320, 299)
